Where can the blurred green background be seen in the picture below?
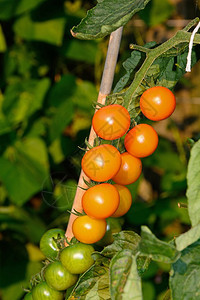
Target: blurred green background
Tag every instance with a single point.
(48, 85)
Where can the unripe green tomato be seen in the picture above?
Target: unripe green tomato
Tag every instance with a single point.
(77, 258)
(48, 245)
(113, 226)
(58, 278)
(42, 291)
(28, 296)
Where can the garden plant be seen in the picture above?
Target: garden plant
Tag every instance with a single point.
(94, 255)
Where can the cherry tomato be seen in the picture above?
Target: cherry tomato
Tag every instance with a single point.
(58, 278)
(129, 171)
(28, 296)
(141, 141)
(113, 226)
(101, 163)
(157, 103)
(88, 230)
(125, 200)
(43, 291)
(48, 245)
(111, 122)
(100, 201)
(77, 258)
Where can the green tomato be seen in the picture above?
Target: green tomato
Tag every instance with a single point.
(58, 277)
(44, 292)
(113, 226)
(77, 258)
(28, 296)
(48, 245)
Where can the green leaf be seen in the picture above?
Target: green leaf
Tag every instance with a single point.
(185, 274)
(12, 7)
(2, 41)
(62, 90)
(107, 16)
(23, 98)
(188, 238)
(62, 118)
(15, 290)
(123, 240)
(29, 226)
(155, 249)
(25, 175)
(50, 31)
(81, 51)
(124, 277)
(157, 12)
(24, 5)
(94, 284)
(193, 180)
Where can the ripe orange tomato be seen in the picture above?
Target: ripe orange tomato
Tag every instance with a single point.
(141, 141)
(111, 122)
(157, 103)
(88, 230)
(125, 201)
(100, 201)
(130, 170)
(101, 163)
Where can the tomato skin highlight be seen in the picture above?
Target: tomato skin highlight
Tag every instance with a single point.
(100, 201)
(44, 292)
(111, 122)
(157, 103)
(130, 170)
(141, 141)
(88, 230)
(47, 244)
(77, 258)
(101, 163)
(125, 201)
(58, 278)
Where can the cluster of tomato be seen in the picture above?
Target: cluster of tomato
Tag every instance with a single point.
(104, 162)
(62, 266)
(103, 200)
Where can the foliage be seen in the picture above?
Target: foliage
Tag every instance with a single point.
(47, 91)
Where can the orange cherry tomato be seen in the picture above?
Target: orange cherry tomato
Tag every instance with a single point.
(125, 200)
(100, 201)
(157, 103)
(101, 163)
(111, 122)
(130, 170)
(141, 141)
(88, 230)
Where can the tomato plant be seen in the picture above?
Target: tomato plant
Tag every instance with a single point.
(77, 258)
(111, 122)
(157, 103)
(130, 169)
(88, 230)
(42, 291)
(48, 244)
(100, 201)
(125, 201)
(58, 278)
(141, 141)
(101, 163)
